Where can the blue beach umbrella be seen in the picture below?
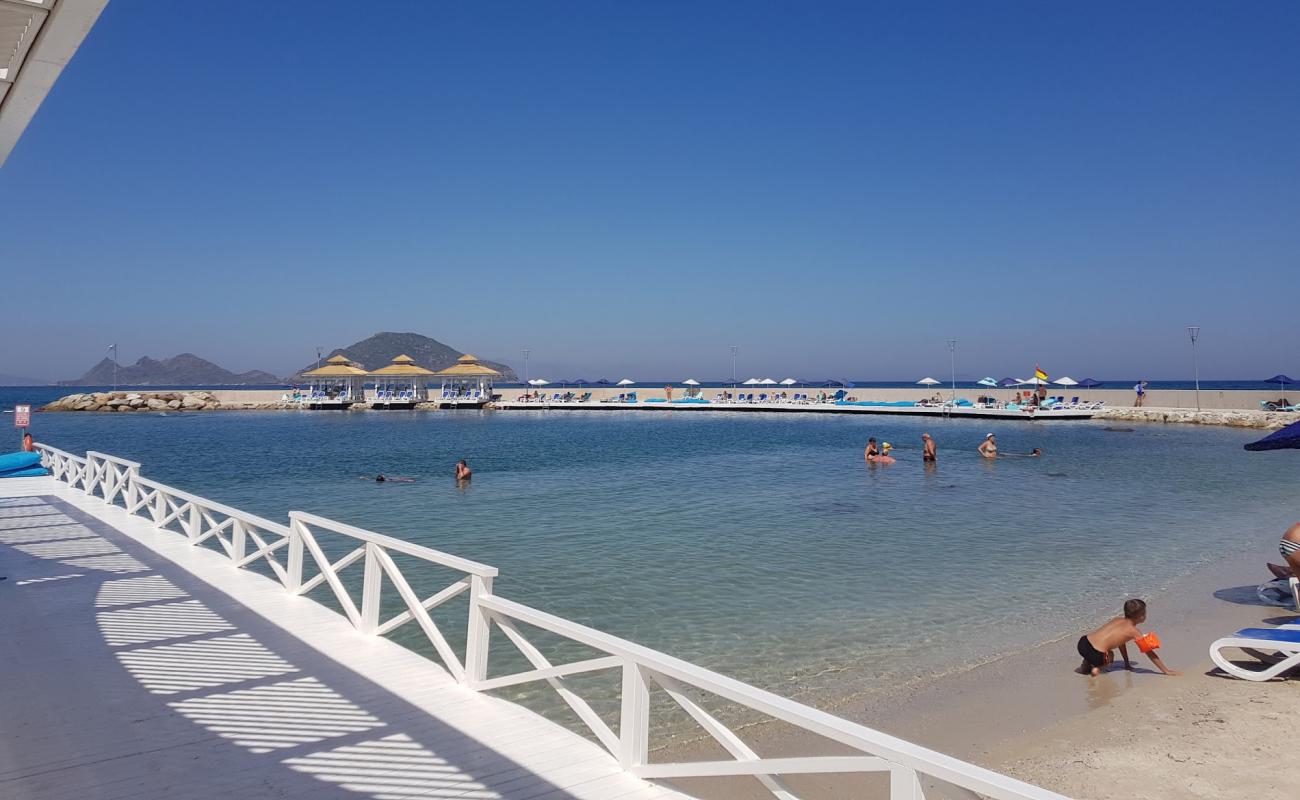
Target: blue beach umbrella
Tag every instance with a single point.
(1007, 383)
(1287, 438)
(1089, 383)
(1281, 381)
(989, 382)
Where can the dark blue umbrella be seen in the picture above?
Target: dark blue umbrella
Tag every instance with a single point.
(1285, 439)
(1089, 383)
(604, 382)
(832, 383)
(1281, 381)
(1007, 383)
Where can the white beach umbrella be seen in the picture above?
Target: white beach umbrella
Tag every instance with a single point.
(1034, 381)
(690, 382)
(1065, 381)
(768, 382)
(752, 382)
(539, 382)
(626, 382)
(789, 382)
(927, 382)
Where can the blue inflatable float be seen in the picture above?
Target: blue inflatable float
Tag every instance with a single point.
(21, 465)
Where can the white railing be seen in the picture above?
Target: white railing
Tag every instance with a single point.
(913, 772)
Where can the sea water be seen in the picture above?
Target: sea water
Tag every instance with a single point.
(760, 545)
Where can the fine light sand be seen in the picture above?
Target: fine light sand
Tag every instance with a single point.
(1124, 734)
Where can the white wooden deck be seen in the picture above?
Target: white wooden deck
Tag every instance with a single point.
(135, 665)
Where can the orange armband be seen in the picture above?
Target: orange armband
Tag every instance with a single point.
(1148, 642)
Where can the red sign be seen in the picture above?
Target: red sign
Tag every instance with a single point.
(22, 416)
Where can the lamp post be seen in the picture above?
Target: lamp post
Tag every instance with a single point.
(112, 348)
(1194, 332)
(952, 362)
(527, 353)
(734, 350)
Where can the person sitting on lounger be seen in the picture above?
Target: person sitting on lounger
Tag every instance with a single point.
(1289, 547)
(1096, 647)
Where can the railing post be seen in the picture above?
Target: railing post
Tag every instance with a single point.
(370, 589)
(196, 522)
(904, 784)
(89, 475)
(293, 578)
(132, 491)
(237, 541)
(159, 509)
(479, 633)
(634, 720)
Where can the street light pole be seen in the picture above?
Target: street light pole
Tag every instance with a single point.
(734, 349)
(952, 359)
(527, 353)
(1194, 331)
(318, 352)
(112, 348)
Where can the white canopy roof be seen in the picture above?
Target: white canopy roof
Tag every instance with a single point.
(37, 39)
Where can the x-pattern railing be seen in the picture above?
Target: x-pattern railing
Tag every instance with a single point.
(912, 771)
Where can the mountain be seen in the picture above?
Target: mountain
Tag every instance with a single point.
(185, 369)
(379, 350)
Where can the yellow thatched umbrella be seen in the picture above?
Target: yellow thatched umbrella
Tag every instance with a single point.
(402, 372)
(339, 374)
(469, 375)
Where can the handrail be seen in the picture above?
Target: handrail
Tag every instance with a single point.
(95, 454)
(911, 769)
(212, 505)
(397, 545)
(921, 759)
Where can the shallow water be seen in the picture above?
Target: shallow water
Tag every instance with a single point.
(759, 545)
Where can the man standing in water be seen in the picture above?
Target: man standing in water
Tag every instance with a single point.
(930, 452)
(989, 447)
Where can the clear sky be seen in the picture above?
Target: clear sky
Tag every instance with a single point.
(631, 188)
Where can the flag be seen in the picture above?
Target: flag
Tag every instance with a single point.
(1039, 374)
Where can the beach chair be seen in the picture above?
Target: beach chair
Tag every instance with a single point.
(1282, 644)
(839, 395)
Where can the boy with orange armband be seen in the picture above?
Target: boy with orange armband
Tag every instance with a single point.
(1096, 647)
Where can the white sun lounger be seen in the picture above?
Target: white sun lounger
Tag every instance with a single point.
(1283, 641)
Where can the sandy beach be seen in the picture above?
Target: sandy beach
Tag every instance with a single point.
(1135, 734)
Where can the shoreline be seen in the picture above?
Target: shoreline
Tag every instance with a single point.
(1027, 713)
(189, 402)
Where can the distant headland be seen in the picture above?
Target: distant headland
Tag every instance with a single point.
(188, 369)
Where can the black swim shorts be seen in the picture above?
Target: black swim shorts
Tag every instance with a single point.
(1092, 655)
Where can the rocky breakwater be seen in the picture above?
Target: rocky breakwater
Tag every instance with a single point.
(136, 401)
(1235, 418)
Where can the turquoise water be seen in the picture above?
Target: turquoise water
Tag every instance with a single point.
(759, 545)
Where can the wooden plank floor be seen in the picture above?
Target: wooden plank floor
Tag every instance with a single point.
(133, 665)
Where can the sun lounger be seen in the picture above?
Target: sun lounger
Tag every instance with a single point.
(1283, 643)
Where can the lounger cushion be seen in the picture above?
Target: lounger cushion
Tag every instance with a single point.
(1269, 635)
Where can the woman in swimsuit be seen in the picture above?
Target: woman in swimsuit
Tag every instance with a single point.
(871, 452)
(1289, 547)
(989, 447)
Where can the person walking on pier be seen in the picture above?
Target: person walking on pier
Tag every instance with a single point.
(1140, 390)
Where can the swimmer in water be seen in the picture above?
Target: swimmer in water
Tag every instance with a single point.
(382, 478)
(931, 451)
(884, 457)
(871, 453)
(989, 447)
(463, 472)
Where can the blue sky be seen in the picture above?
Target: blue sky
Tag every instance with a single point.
(624, 188)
